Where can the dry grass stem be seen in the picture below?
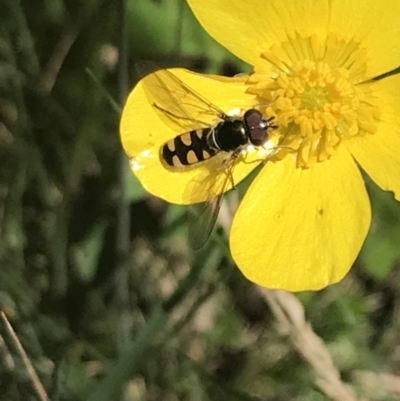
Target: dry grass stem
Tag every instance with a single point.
(289, 313)
(378, 384)
(37, 385)
(53, 66)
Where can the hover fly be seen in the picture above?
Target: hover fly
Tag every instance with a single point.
(228, 135)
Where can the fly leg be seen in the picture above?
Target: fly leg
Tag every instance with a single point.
(230, 162)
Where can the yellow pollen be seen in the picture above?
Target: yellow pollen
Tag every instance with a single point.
(316, 99)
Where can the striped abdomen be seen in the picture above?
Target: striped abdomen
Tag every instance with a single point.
(189, 148)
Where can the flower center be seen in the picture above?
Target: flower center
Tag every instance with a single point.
(315, 98)
(314, 93)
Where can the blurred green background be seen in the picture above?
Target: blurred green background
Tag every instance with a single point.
(96, 276)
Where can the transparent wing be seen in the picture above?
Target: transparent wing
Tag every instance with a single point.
(203, 216)
(175, 100)
(202, 219)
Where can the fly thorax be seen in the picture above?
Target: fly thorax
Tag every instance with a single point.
(229, 135)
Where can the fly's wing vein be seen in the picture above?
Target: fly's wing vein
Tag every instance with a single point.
(202, 219)
(175, 99)
(203, 216)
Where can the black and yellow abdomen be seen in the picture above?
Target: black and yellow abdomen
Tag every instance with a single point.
(189, 148)
(231, 135)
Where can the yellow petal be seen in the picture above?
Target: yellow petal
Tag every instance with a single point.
(372, 23)
(301, 229)
(143, 133)
(379, 154)
(249, 28)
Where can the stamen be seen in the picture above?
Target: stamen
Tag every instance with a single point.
(315, 99)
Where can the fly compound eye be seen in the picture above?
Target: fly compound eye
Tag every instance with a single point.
(257, 127)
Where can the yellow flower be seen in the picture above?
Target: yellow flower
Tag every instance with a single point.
(305, 217)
